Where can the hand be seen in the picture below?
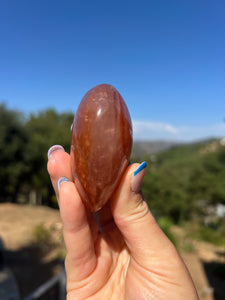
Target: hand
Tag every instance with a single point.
(119, 252)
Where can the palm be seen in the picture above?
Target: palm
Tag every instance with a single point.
(117, 275)
(107, 281)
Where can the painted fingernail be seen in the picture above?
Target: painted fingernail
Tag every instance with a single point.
(54, 149)
(60, 181)
(137, 178)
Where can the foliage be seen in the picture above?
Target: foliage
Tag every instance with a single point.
(44, 130)
(43, 237)
(23, 151)
(207, 177)
(188, 245)
(210, 235)
(177, 179)
(13, 139)
(165, 224)
(214, 233)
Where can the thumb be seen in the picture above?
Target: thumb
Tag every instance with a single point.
(149, 247)
(143, 236)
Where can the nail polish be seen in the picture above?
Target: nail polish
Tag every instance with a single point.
(60, 181)
(54, 149)
(137, 178)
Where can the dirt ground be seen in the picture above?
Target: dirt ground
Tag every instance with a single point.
(33, 265)
(30, 264)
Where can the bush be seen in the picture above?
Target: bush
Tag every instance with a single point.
(214, 235)
(43, 238)
(165, 224)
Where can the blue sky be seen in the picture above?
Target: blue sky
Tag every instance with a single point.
(166, 58)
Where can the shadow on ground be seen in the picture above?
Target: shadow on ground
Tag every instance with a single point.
(216, 276)
(29, 268)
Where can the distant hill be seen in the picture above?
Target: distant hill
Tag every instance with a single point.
(141, 148)
(181, 176)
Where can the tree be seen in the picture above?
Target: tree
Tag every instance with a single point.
(44, 130)
(12, 143)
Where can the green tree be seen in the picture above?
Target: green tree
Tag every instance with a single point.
(13, 141)
(44, 130)
(207, 177)
(177, 179)
(167, 180)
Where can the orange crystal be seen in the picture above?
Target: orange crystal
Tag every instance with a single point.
(101, 143)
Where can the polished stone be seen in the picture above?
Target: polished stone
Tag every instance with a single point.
(101, 143)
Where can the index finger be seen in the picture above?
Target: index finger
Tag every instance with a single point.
(58, 165)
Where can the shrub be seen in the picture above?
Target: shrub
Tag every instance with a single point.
(43, 237)
(165, 224)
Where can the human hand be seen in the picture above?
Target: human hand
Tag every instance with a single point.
(119, 252)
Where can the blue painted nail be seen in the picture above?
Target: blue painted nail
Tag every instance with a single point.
(53, 149)
(61, 180)
(140, 168)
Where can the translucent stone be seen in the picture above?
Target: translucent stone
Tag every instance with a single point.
(101, 143)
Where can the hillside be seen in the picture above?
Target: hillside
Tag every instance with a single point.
(140, 148)
(178, 179)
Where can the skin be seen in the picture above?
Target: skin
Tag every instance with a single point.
(119, 252)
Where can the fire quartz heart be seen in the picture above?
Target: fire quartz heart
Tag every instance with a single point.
(101, 143)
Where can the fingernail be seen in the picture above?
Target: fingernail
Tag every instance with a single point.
(54, 149)
(137, 178)
(60, 181)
